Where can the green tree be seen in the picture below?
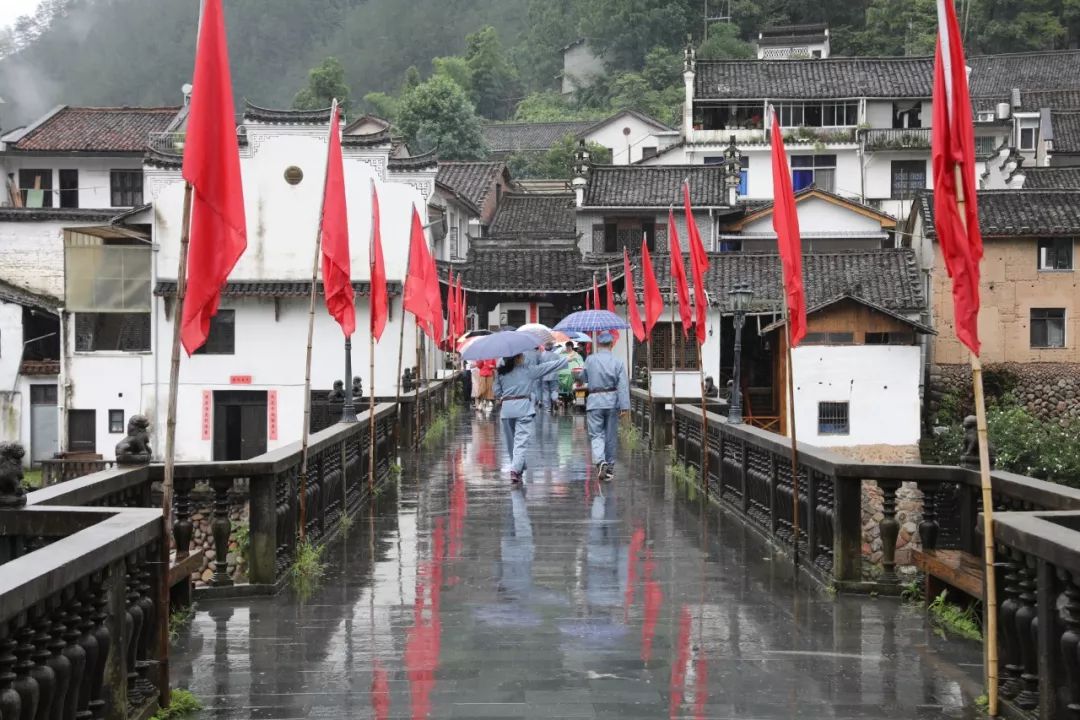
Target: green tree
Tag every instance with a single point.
(438, 114)
(492, 77)
(622, 31)
(557, 163)
(724, 43)
(411, 79)
(325, 83)
(383, 105)
(454, 67)
(551, 25)
(552, 106)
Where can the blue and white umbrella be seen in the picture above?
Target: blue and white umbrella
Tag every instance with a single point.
(500, 345)
(587, 321)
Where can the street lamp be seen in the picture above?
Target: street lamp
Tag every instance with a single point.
(741, 296)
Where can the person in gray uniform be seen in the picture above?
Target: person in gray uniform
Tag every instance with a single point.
(609, 395)
(515, 386)
(549, 384)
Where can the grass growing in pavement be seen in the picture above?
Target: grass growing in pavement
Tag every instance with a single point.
(32, 479)
(182, 703)
(685, 476)
(911, 592)
(179, 620)
(308, 568)
(954, 619)
(630, 436)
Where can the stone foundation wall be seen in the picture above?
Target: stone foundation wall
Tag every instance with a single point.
(202, 535)
(1049, 391)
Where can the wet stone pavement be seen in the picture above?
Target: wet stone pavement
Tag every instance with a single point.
(463, 598)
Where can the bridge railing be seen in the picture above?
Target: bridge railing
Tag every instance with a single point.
(750, 472)
(83, 613)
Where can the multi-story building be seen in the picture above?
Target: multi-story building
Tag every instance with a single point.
(467, 195)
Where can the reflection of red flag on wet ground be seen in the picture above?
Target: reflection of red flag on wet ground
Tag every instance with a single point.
(701, 684)
(380, 692)
(423, 639)
(654, 599)
(678, 667)
(459, 503)
(637, 541)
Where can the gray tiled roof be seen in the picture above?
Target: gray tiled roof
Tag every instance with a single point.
(21, 296)
(511, 137)
(521, 214)
(27, 214)
(537, 269)
(1033, 100)
(882, 77)
(1066, 131)
(96, 129)
(1052, 178)
(255, 113)
(1012, 213)
(472, 180)
(888, 278)
(425, 161)
(654, 186)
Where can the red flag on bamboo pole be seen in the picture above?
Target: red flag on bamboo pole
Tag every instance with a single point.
(434, 297)
(336, 263)
(416, 295)
(212, 167)
(451, 311)
(678, 276)
(956, 214)
(788, 240)
(654, 300)
(595, 294)
(699, 265)
(463, 307)
(379, 300)
(632, 314)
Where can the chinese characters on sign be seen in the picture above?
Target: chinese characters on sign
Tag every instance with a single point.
(239, 379)
(206, 410)
(271, 407)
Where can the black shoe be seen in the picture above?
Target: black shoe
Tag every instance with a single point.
(609, 472)
(601, 471)
(515, 477)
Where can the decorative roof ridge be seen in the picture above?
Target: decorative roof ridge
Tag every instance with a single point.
(126, 108)
(832, 59)
(416, 162)
(529, 123)
(257, 113)
(382, 137)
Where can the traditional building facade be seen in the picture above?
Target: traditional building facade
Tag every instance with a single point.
(466, 198)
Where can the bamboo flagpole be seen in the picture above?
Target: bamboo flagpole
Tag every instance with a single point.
(378, 306)
(794, 445)
(671, 297)
(305, 431)
(990, 582)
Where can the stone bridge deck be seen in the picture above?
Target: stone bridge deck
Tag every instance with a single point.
(463, 598)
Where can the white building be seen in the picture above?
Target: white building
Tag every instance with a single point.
(793, 42)
(860, 127)
(467, 195)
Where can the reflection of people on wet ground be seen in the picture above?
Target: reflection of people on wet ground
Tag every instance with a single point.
(609, 395)
(517, 547)
(514, 386)
(605, 574)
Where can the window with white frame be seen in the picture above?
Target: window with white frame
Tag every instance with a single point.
(1028, 137)
(819, 114)
(1055, 253)
(1047, 327)
(816, 170)
(908, 178)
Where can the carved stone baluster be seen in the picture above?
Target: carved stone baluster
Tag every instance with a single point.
(1010, 640)
(73, 651)
(103, 636)
(42, 673)
(183, 528)
(1070, 643)
(1026, 625)
(928, 528)
(134, 611)
(25, 684)
(58, 661)
(10, 702)
(222, 527)
(890, 529)
(145, 662)
(88, 641)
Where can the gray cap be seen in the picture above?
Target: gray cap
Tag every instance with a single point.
(606, 338)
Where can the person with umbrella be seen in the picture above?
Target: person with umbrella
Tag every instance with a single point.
(549, 384)
(609, 395)
(514, 387)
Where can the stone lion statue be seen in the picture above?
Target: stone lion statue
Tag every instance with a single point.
(971, 444)
(135, 448)
(338, 393)
(12, 493)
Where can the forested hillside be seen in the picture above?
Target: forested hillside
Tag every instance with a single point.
(140, 51)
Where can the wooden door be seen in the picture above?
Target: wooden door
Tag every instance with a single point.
(239, 424)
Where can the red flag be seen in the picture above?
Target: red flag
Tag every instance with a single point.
(379, 300)
(953, 154)
(463, 308)
(699, 265)
(788, 240)
(595, 294)
(416, 297)
(336, 264)
(632, 314)
(654, 300)
(610, 292)
(434, 297)
(588, 300)
(212, 167)
(451, 311)
(678, 277)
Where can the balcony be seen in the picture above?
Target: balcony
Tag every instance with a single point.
(802, 135)
(167, 143)
(896, 139)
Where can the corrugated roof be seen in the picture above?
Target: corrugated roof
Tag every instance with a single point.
(96, 129)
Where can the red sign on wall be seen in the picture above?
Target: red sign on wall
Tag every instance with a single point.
(271, 409)
(240, 379)
(207, 411)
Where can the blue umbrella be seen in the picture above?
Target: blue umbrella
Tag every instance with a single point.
(500, 345)
(591, 321)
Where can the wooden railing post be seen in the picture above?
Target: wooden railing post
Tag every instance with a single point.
(847, 529)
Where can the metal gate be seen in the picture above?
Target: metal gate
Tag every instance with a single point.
(44, 423)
